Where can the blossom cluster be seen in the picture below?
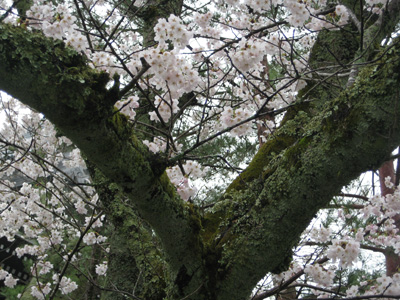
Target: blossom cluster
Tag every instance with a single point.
(9, 280)
(57, 21)
(172, 29)
(248, 54)
(41, 209)
(182, 182)
(299, 13)
(203, 20)
(171, 72)
(165, 109)
(345, 251)
(128, 106)
(66, 284)
(101, 269)
(92, 238)
(345, 246)
(157, 145)
(320, 275)
(230, 117)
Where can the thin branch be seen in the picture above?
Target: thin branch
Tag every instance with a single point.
(286, 283)
(134, 81)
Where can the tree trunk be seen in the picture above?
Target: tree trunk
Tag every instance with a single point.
(220, 254)
(392, 260)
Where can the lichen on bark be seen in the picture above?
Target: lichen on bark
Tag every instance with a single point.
(252, 230)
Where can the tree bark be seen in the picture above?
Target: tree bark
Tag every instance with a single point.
(254, 227)
(56, 81)
(392, 260)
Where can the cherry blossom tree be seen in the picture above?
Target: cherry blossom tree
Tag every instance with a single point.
(181, 149)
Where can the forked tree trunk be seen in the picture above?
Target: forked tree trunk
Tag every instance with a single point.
(391, 258)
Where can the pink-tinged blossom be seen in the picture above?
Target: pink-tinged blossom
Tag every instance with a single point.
(174, 30)
(319, 274)
(345, 251)
(128, 106)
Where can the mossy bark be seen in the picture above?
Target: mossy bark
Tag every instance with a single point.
(252, 231)
(135, 266)
(56, 81)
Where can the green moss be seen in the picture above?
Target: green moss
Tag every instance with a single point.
(210, 224)
(119, 122)
(293, 154)
(351, 134)
(166, 183)
(133, 258)
(260, 161)
(291, 128)
(48, 70)
(334, 47)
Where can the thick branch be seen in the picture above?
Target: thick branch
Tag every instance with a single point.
(56, 81)
(355, 133)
